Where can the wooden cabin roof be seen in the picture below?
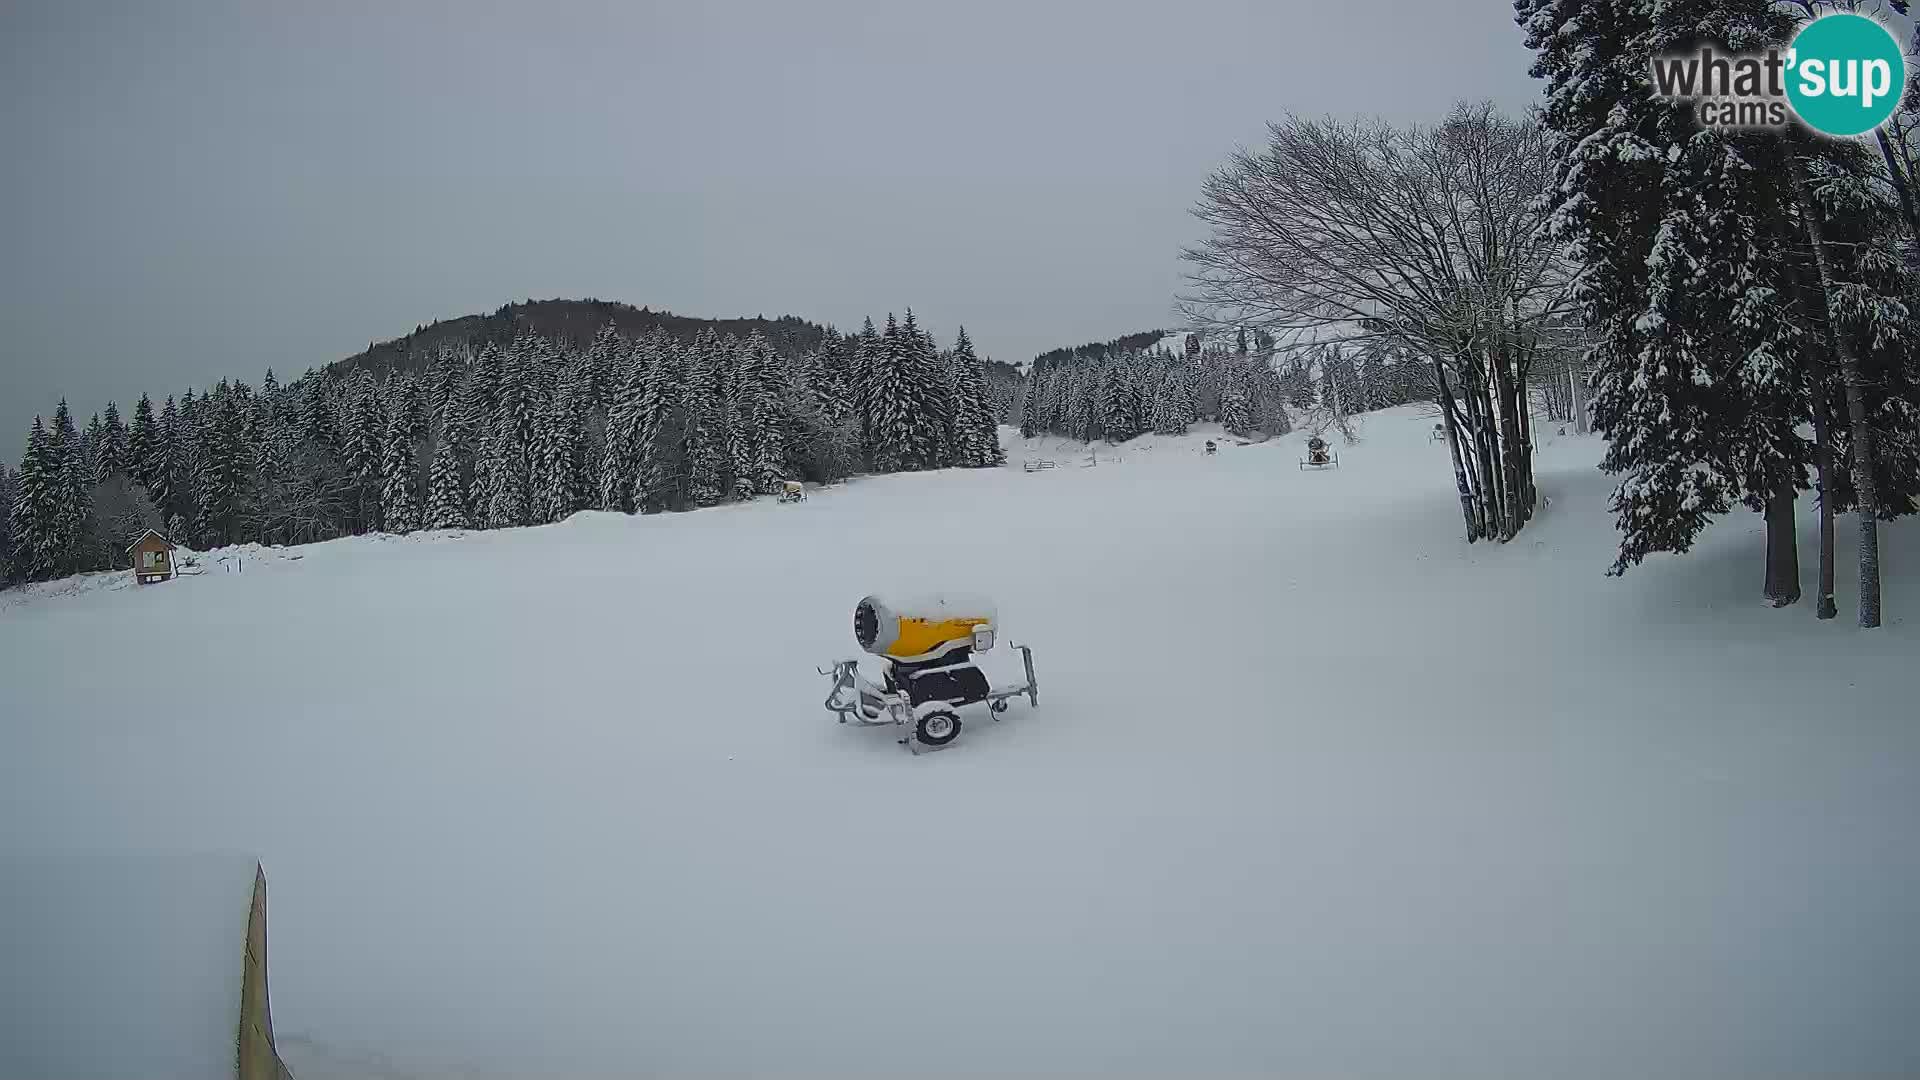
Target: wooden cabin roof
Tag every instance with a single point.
(154, 533)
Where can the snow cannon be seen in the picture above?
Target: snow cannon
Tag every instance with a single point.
(926, 645)
(923, 628)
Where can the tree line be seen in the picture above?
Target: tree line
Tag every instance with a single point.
(520, 433)
(1131, 386)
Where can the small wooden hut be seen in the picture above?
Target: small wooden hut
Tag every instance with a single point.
(151, 557)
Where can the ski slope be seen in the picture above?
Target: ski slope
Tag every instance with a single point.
(1314, 787)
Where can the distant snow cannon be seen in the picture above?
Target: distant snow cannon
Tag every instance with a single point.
(1319, 455)
(927, 644)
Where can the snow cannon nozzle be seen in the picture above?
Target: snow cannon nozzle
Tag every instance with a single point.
(924, 627)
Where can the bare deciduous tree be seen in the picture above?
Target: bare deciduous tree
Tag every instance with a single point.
(1430, 240)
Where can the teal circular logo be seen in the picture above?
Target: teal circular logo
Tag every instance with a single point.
(1845, 74)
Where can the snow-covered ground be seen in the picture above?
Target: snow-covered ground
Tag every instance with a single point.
(1314, 787)
(121, 968)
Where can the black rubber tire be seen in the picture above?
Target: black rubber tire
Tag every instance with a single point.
(945, 725)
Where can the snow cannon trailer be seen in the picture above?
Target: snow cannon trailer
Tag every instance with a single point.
(926, 648)
(1319, 455)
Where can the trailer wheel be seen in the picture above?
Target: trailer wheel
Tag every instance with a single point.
(938, 727)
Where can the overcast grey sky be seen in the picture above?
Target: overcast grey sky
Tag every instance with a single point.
(197, 190)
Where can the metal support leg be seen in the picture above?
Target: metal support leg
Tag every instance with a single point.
(1033, 684)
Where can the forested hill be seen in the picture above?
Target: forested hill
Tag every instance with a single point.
(1098, 350)
(573, 322)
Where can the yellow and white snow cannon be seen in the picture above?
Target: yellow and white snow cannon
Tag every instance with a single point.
(926, 644)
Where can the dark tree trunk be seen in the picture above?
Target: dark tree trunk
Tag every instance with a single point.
(1865, 490)
(1783, 548)
(1452, 427)
(1902, 183)
(1530, 491)
(1512, 488)
(1823, 469)
(1491, 500)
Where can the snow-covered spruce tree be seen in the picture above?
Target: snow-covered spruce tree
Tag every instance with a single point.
(32, 522)
(220, 476)
(1236, 409)
(500, 496)
(556, 449)
(504, 497)
(92, 444)
(702, 470)
(444, 378)
(869, 351)
(400, 483)
(446, 493)
(480, 392)
(187, 449)
(1115, 404)
(921, 437)
(1172, 406)
(1032, 418)
(9, 490)
(619, 452)
(76, 530)
(1675, 226)
(601, 370)
(660, 426)
(162, 464)
(829, 376)
(319, 422)
(407, 404)
(890, 400)
(738, 419)
(976, 425)
(762, 385)
(271, 460)
(363, 437)
(142, 439)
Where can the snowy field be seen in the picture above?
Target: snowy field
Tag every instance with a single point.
(1314, 787)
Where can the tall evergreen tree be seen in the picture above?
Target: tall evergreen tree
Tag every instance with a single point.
(92, 446)
(319, 422)
(446, 493)
(33, 522)
(114, 450)
(164, 466)
(1032, 419)
(605, 357)
(761, 389)
(363, 438)
(976, 428)
(555, 452)
(400, 484)
(143, 440)
(503, 475)
(704, 447)
(619, 455)
(9, 490)
(660, 422)
(1116, 404)
(76, 541)
(443, 383)
(869, 350)
(221, 471)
